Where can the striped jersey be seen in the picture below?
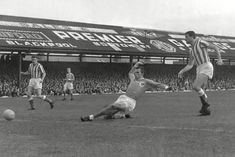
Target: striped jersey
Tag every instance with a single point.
(69, 77)
(199, 51)
(36, 70)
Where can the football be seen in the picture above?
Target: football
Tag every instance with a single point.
(9, 114)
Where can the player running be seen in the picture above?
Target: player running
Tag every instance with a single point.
(199, 55)
(37, 73)
(127, 102)
(68, 86)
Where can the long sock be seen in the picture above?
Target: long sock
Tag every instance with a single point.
(71, 96)
(31, 103)
(203, 99)
(91, 117)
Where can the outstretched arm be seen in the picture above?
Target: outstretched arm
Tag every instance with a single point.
(25, 73)
(187, 67)
(153, 84)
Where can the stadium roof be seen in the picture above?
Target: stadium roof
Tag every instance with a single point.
(43, 35)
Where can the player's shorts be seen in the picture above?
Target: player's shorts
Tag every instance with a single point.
(125, 102)
(68, 86)
(206, 68)
(35, 83)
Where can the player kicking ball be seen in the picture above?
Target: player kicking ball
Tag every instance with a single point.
(126, 103)
(199, 55)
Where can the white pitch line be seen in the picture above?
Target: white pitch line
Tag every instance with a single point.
(217, 130)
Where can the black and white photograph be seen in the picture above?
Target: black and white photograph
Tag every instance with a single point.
(117, 78)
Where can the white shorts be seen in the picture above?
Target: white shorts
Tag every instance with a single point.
(68, 86)
(35, 83)
(125, 102)
(206, 68)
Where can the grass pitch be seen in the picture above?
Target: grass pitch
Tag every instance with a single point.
(164, 125)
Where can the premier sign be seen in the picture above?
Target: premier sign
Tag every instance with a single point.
(96, 37)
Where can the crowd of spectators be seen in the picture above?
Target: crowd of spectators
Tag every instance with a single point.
(105, 77)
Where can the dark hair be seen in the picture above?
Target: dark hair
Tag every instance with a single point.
(191, 34)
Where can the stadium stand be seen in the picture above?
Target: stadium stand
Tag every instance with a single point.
(106, 77)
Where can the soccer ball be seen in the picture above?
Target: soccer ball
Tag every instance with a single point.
(8, 114)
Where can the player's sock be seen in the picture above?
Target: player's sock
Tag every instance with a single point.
(203, 97)
(87, 118)
(205, 105)
(204, 100)
(31, 104)
(51, 104)
(91, 117)
(204, 111)
(64, 96)
(128, 115)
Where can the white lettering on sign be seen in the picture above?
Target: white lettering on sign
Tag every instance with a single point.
(103, 38)
(61, 34)
(90, 37)
(224, 46)
(76, 36)
(23, 35)
(115, 39)
(134, 40)
(118, 46)
(95, 37)
(40, 44)
(163, 46)
(185, 43)
(176, 42)
(123, 39)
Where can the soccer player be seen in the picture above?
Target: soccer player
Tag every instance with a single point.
(199, 55)
(68, 86)
(37, 73)
(127, 102)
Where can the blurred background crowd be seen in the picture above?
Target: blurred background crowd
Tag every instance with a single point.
(106, 77)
